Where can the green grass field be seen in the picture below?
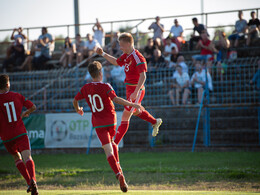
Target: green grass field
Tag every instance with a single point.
(154, 173)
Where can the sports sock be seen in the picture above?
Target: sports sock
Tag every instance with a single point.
(115, 149)
(21, 167)
(112, 162)
(122, 129)
(147, 117)
(31, 168)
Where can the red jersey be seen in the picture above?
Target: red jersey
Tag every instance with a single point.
(11, 124)
(206, 51)
(134, 63)
(99, 97)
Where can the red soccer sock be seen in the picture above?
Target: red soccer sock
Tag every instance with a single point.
(31, 168)
(21, 167)
(113, 164)
(122, 129)
(147, 117)
(115, 149)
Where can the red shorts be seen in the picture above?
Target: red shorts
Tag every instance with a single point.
(18, 145)
(140, 96)
(106, 134)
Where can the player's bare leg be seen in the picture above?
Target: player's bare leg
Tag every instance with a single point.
(113, 164)
(26, 154)
(22, 169)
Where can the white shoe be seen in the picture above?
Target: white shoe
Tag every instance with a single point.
(156, 126)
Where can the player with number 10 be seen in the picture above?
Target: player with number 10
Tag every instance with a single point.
(99, 97)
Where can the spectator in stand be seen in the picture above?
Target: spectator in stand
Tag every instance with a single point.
(158, 44)
(50, 39)
(115, 75)
(17, 55)
(207, 48)
(35, 51)
(20, 34)
(177, 34)
(197, 28)
(39, 62)
(80, 45)
(91, 45)
(168, 49)
(68, 53)
(180, 85)
(14, 37)
(158, 29)
(181, 62)
(114, 48)
(253, 27)
(149, 49)
(173, 58)
(157, 60)
(198, 80)
(240, 30)
(99, 33)
(222, 45)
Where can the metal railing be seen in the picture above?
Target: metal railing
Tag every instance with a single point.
(54, 90)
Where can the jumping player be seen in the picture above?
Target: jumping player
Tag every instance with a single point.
(135, 70)
(13, 132)
(99, 97)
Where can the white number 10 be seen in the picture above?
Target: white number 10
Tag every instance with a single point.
(92, 101)
(8, 111)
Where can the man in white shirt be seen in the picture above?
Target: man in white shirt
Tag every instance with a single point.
(99, 33)
(181, 85)
(198, 80)
(168, 49)
(177, 33)
(91, 45)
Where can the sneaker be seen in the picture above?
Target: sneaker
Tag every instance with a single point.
(156, 126)
(34, 188)
(123, 184)
(29, 189)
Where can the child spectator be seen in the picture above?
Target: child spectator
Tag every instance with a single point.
(180, 85)
(198, 80)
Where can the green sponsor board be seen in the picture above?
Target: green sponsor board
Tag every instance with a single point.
(35, 125)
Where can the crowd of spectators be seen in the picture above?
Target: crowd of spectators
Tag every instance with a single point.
(159, 53)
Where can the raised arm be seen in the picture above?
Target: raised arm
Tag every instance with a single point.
(108, 57)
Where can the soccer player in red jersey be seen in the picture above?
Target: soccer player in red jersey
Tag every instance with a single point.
(13, 132)
(99, 97)
(135, 70)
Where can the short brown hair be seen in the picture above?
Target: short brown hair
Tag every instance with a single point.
(126, 37)
(4, 78)
(94, 68)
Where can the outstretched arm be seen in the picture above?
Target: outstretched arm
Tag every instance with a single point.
(124, 102)
(108, 57)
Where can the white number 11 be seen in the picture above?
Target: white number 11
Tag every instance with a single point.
(8, 111)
